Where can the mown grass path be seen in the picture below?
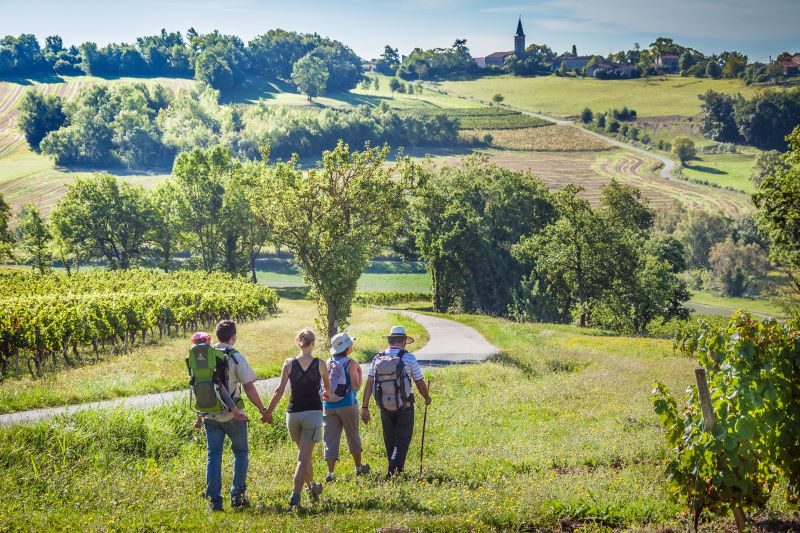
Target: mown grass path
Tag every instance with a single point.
(450, 343)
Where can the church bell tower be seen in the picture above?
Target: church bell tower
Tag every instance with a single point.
(519, 40)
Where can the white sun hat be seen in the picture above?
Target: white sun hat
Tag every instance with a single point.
(399, 331)
(341, 342)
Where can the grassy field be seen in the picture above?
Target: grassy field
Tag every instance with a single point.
(570, 440)
(160, 367)
(724, 170)
(661, 96)
(706, 302)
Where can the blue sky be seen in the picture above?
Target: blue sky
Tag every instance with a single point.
(758, 28)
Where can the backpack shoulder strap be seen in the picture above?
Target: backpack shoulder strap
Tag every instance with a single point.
(231, 352)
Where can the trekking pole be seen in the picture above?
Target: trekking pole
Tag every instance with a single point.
(424, 422)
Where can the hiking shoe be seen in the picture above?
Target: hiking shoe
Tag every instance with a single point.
(362, 470)
(294, 501)
(215, 507)
(239, 501)
(314, 490)
(330, 477)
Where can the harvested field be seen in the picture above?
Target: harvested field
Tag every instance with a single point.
(555, 138)
(593, 170)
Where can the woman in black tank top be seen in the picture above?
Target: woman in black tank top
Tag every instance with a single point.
(304, 394)
(304, 412)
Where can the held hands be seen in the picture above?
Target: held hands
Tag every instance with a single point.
(266, 417)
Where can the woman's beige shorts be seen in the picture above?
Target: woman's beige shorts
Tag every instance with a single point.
(305, 426)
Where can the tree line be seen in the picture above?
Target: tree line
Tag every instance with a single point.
(136, 126)
(763, 121)
(221, 61)
(538, 59)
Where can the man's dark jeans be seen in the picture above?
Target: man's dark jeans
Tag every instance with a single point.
(398, 429)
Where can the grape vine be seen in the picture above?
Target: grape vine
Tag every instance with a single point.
(59, 316)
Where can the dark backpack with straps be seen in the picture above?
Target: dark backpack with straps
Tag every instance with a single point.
(392, 386)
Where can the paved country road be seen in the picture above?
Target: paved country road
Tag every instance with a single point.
(450, 343)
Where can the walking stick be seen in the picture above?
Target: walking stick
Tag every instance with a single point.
(424, 422)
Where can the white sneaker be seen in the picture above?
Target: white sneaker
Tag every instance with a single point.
(330, 477)
(362, 470)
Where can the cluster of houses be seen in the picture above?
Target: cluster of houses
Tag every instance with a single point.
(791, 65)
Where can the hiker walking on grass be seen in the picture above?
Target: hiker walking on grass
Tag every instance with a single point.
(304, 412)
(341, 408)
(389, 380)
(211, 369)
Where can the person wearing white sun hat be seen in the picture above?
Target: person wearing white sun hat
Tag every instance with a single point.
(389, 380)
(341, 409)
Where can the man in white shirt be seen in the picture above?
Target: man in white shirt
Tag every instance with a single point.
(220, 425)
(398, 427)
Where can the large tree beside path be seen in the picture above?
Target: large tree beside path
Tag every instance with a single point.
(334, 218)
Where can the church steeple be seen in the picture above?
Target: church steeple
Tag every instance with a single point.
(519, 40)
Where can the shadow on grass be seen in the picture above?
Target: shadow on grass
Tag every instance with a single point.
(32, 79)
(293, 293)
(256, 88)
(506, 359)
(707, 170)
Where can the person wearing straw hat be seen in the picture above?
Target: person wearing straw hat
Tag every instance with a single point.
(341, 409)
(389, 380)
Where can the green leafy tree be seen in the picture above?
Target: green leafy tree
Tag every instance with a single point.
(334, 218)
(767, 163)
(395, 85)
(6, 239)
(388, 62)
(201, 178)
(668, 248)
(310, 75)
(625, 207)
(713, 70)
(166, 236)
(586, 115)
(465, 223)
(105, 218)
(39, 114)
(778, 202)
(498, 98)
(765, 120)
(683, 149)
(574, 255)
(34, 237)
(718, 121)
(699, 231)
(377, 84)
(735, 266)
